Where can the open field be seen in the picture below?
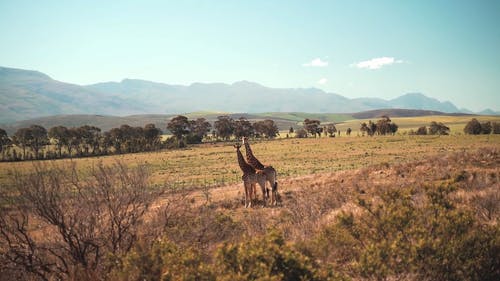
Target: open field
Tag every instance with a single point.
(400, 207)
(209, 165)
(352, 208)
(455, 123)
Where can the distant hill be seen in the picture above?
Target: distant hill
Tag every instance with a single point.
(26, 94)
(395, 112)
(419, 101)
(284, 120)
(489, 112)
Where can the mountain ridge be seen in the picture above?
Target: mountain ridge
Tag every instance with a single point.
(26, 94)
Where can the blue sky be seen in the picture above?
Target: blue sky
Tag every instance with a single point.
(449, 50)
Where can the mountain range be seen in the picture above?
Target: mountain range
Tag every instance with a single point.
(26, 94)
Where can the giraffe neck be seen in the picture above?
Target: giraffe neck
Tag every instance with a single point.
(252, 160)
(247, 169)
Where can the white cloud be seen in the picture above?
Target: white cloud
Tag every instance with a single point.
(317, 62)
(376, 63)
(322, 81)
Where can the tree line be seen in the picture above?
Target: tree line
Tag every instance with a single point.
(36, 142)
(473, 127)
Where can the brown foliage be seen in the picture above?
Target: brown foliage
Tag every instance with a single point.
(61, 225)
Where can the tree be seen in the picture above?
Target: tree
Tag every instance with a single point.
(312, 126)
(74, 140)
(422, 130)
(224, 127)
(364, 128)
(132, 138)
(152, 136)
(38, 139)
(200, 127)
(496, 127)
(331, 129)
(89, 137)
(436, 128)
(243, 128)
(486, 128)
(369, 128)
(394, 128)
(385, 126)
(59, 135)
(179, 126)
(106, 142)
(473, 127)
(266, 128)
(301, 133)
(116, 138)
(22, 139)
(4, 141)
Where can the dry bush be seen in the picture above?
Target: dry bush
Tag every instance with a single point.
(487, 204)
(185, 222)
(305, 209)
(63, 226)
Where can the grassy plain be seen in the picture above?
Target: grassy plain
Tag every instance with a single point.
(323, 183)
(455, 123)
(216, 164)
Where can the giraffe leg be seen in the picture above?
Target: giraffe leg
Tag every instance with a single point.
(275, 193)
(263, 188)
(254, 192)
(248, 198)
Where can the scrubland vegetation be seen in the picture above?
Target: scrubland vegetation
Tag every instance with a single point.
(401, 207)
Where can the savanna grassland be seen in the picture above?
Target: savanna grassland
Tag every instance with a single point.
(400, 207)
(215, 164)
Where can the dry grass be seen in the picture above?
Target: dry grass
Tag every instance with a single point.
(318, 180)
(211, 165)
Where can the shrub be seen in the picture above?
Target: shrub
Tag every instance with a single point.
(496, 127)
(396, 237)
(301, 133)
(436, 128)
(486, 128)
(86, 218)
(163, 260)
(266, 258)
(421, 131)
(473, 127)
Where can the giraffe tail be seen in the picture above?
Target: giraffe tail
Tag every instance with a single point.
(275, 186)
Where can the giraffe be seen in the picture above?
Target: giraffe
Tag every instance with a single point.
(269, 171)
(250, 178)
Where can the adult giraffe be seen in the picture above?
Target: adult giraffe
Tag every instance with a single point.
(250, 178)
(269, 171)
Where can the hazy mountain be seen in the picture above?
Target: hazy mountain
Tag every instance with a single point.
(241, 96)
(28, 94)
(419, 101)
(247, 96)
(489, 111)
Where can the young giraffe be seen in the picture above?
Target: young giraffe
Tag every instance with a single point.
(250, 177)
(271, 175)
